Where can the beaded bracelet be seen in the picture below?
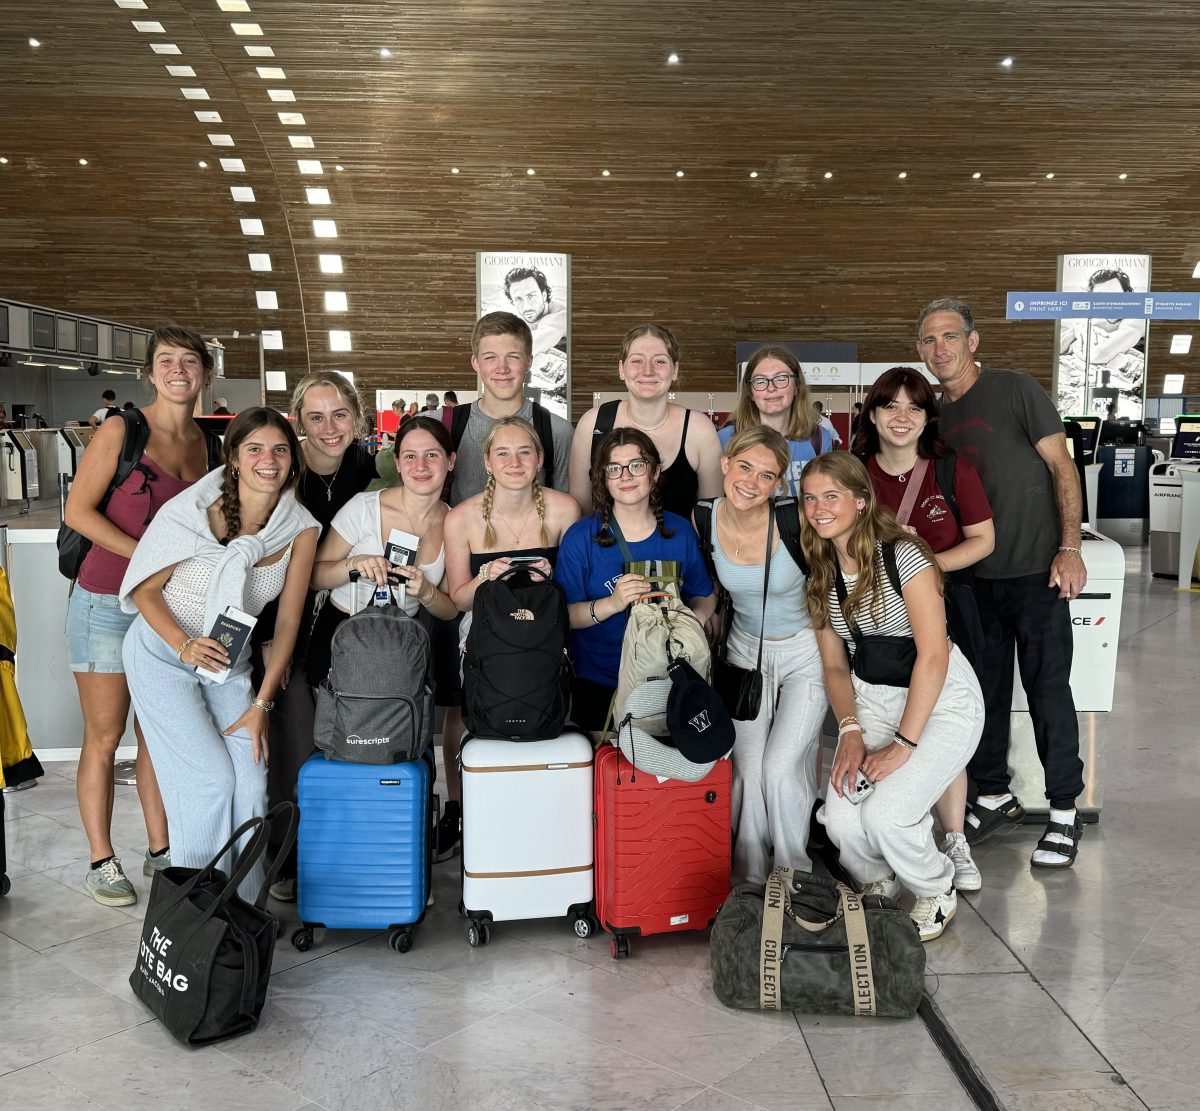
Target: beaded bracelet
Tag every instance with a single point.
(902, 740)
(184, 647)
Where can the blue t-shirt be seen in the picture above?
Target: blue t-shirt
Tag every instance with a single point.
(800, 451)
(585, 571)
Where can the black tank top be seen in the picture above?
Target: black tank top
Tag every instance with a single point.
(680, 485)
(478, 559)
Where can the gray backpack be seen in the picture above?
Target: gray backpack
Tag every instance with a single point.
(376, 704)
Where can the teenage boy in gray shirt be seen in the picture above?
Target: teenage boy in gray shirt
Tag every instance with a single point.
(1006, 425)
(501, 354)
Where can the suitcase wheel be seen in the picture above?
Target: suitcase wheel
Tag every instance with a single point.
(5, 886)
(478, 933)
(302, 939)
(619, 947)
(582, 926)
(401, 940)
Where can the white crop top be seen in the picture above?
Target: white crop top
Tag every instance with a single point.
(893, 618)
(187, 590)
(360, 524)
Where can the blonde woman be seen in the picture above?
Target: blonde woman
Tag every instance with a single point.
(773, 393)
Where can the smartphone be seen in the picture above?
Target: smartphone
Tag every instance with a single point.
(860, 789)
(524, 561)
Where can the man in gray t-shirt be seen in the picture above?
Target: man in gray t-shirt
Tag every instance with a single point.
(502, 355)
(1006, 425)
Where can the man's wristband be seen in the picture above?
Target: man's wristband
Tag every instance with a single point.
(1077, 551)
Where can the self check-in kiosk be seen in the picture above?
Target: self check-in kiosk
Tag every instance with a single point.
(20, 466)
(1166, 498)
(1089, 428)
(72, 442)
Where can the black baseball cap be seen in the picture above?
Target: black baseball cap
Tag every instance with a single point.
(697, 719)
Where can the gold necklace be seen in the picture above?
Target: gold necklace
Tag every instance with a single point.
(517, 533)
(333, 478)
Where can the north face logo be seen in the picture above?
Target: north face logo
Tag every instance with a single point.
(700, 722)
(522, 615)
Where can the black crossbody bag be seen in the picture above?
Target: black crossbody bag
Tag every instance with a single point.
(879, 660)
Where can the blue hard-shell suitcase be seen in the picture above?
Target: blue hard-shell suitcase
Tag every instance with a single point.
(364, 848)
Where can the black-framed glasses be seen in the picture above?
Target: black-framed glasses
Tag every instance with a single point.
(780, 381)
(635, 467)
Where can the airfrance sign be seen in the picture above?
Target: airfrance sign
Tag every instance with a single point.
(1107, 306)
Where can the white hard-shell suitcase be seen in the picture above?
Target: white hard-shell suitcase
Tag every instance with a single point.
(527, 832)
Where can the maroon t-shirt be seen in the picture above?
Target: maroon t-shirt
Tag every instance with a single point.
(931, 516)
(131, 508)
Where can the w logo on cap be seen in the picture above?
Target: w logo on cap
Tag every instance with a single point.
(700, 722)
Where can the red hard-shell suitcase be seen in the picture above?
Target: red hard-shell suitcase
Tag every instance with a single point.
(662, 849)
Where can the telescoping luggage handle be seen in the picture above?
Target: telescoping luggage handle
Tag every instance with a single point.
(777, 901)
(356, 576)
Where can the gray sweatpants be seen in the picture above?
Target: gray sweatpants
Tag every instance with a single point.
(210, 784)
(774, 756)
(891, 830)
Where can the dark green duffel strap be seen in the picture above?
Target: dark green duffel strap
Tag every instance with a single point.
(862, 975)
(776, 900)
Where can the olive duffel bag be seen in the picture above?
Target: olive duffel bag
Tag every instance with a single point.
(807, 943)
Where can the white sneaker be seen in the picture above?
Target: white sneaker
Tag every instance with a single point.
(930, 913)
(283, 891)
(966, 873)
(889, 888)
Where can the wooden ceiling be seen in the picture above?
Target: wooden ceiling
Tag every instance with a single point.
(789, 90)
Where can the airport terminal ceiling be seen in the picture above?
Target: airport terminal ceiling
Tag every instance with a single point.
(841, 164)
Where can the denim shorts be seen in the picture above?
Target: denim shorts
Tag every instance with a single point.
(96, 628)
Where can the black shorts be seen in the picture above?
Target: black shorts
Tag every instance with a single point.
(590, 702)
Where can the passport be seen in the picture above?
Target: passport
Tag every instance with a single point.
(231, 629)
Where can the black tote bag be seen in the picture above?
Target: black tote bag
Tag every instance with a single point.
(204, 959)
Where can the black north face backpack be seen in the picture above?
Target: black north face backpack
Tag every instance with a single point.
(376, 704)
(516, 675)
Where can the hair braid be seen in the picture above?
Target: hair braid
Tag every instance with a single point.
(231, 506)
(605, 537)
(540, 502)
(656, 507)
(489, 493)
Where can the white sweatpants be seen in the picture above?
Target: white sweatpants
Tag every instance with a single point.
(210, 784)
(774, 756)
(891, 830)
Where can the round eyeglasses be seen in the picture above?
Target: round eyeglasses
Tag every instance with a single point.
(635, 467)
(780, 381)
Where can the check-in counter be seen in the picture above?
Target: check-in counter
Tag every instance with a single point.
(44, 680)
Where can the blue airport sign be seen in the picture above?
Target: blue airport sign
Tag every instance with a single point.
(1106, 306)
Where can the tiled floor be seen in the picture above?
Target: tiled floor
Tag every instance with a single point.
(1073, 990)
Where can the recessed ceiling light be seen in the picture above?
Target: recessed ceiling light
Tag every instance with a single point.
(233, 5)
(754, 173)
(272, 339)
(282, 96)
(339, 340)
(605, 173)
(266, 298)
(34, 43)
(454, 169)
(243, 194)
(301, 142)
(531, 171)
(147, 27)
(310, 165)
(135, 4)
(165, 48)
(672, 59)
(325, 229)
(335, 302)
(330, 264)
(1122, 177)
(194, 94)
(339, 168)
(318, 195)
(1049, 176)
(1006, 63)
(902, 174)
(679, 173)
(202, 165)
(181, 71)
(271, 73)
(3, 161)
(247, 29)
(260, 51)
(976, 175)
(260, 262)
(233, 165)
(385, 52)
(83, 161)
(252, 227)
(828, 174)
(291, 119)
(207, 116)
(1173, 383)
(221, 140)
(1181, 344)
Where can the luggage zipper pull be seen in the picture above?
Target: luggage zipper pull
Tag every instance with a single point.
(627, 720)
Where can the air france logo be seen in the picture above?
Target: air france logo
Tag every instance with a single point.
(700, 722)
(522, 615)
(1087, 621)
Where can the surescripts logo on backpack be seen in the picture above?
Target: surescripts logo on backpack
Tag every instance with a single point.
(355, 739)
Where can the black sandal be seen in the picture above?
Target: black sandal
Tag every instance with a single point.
(983, 821)
(1060, 848)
